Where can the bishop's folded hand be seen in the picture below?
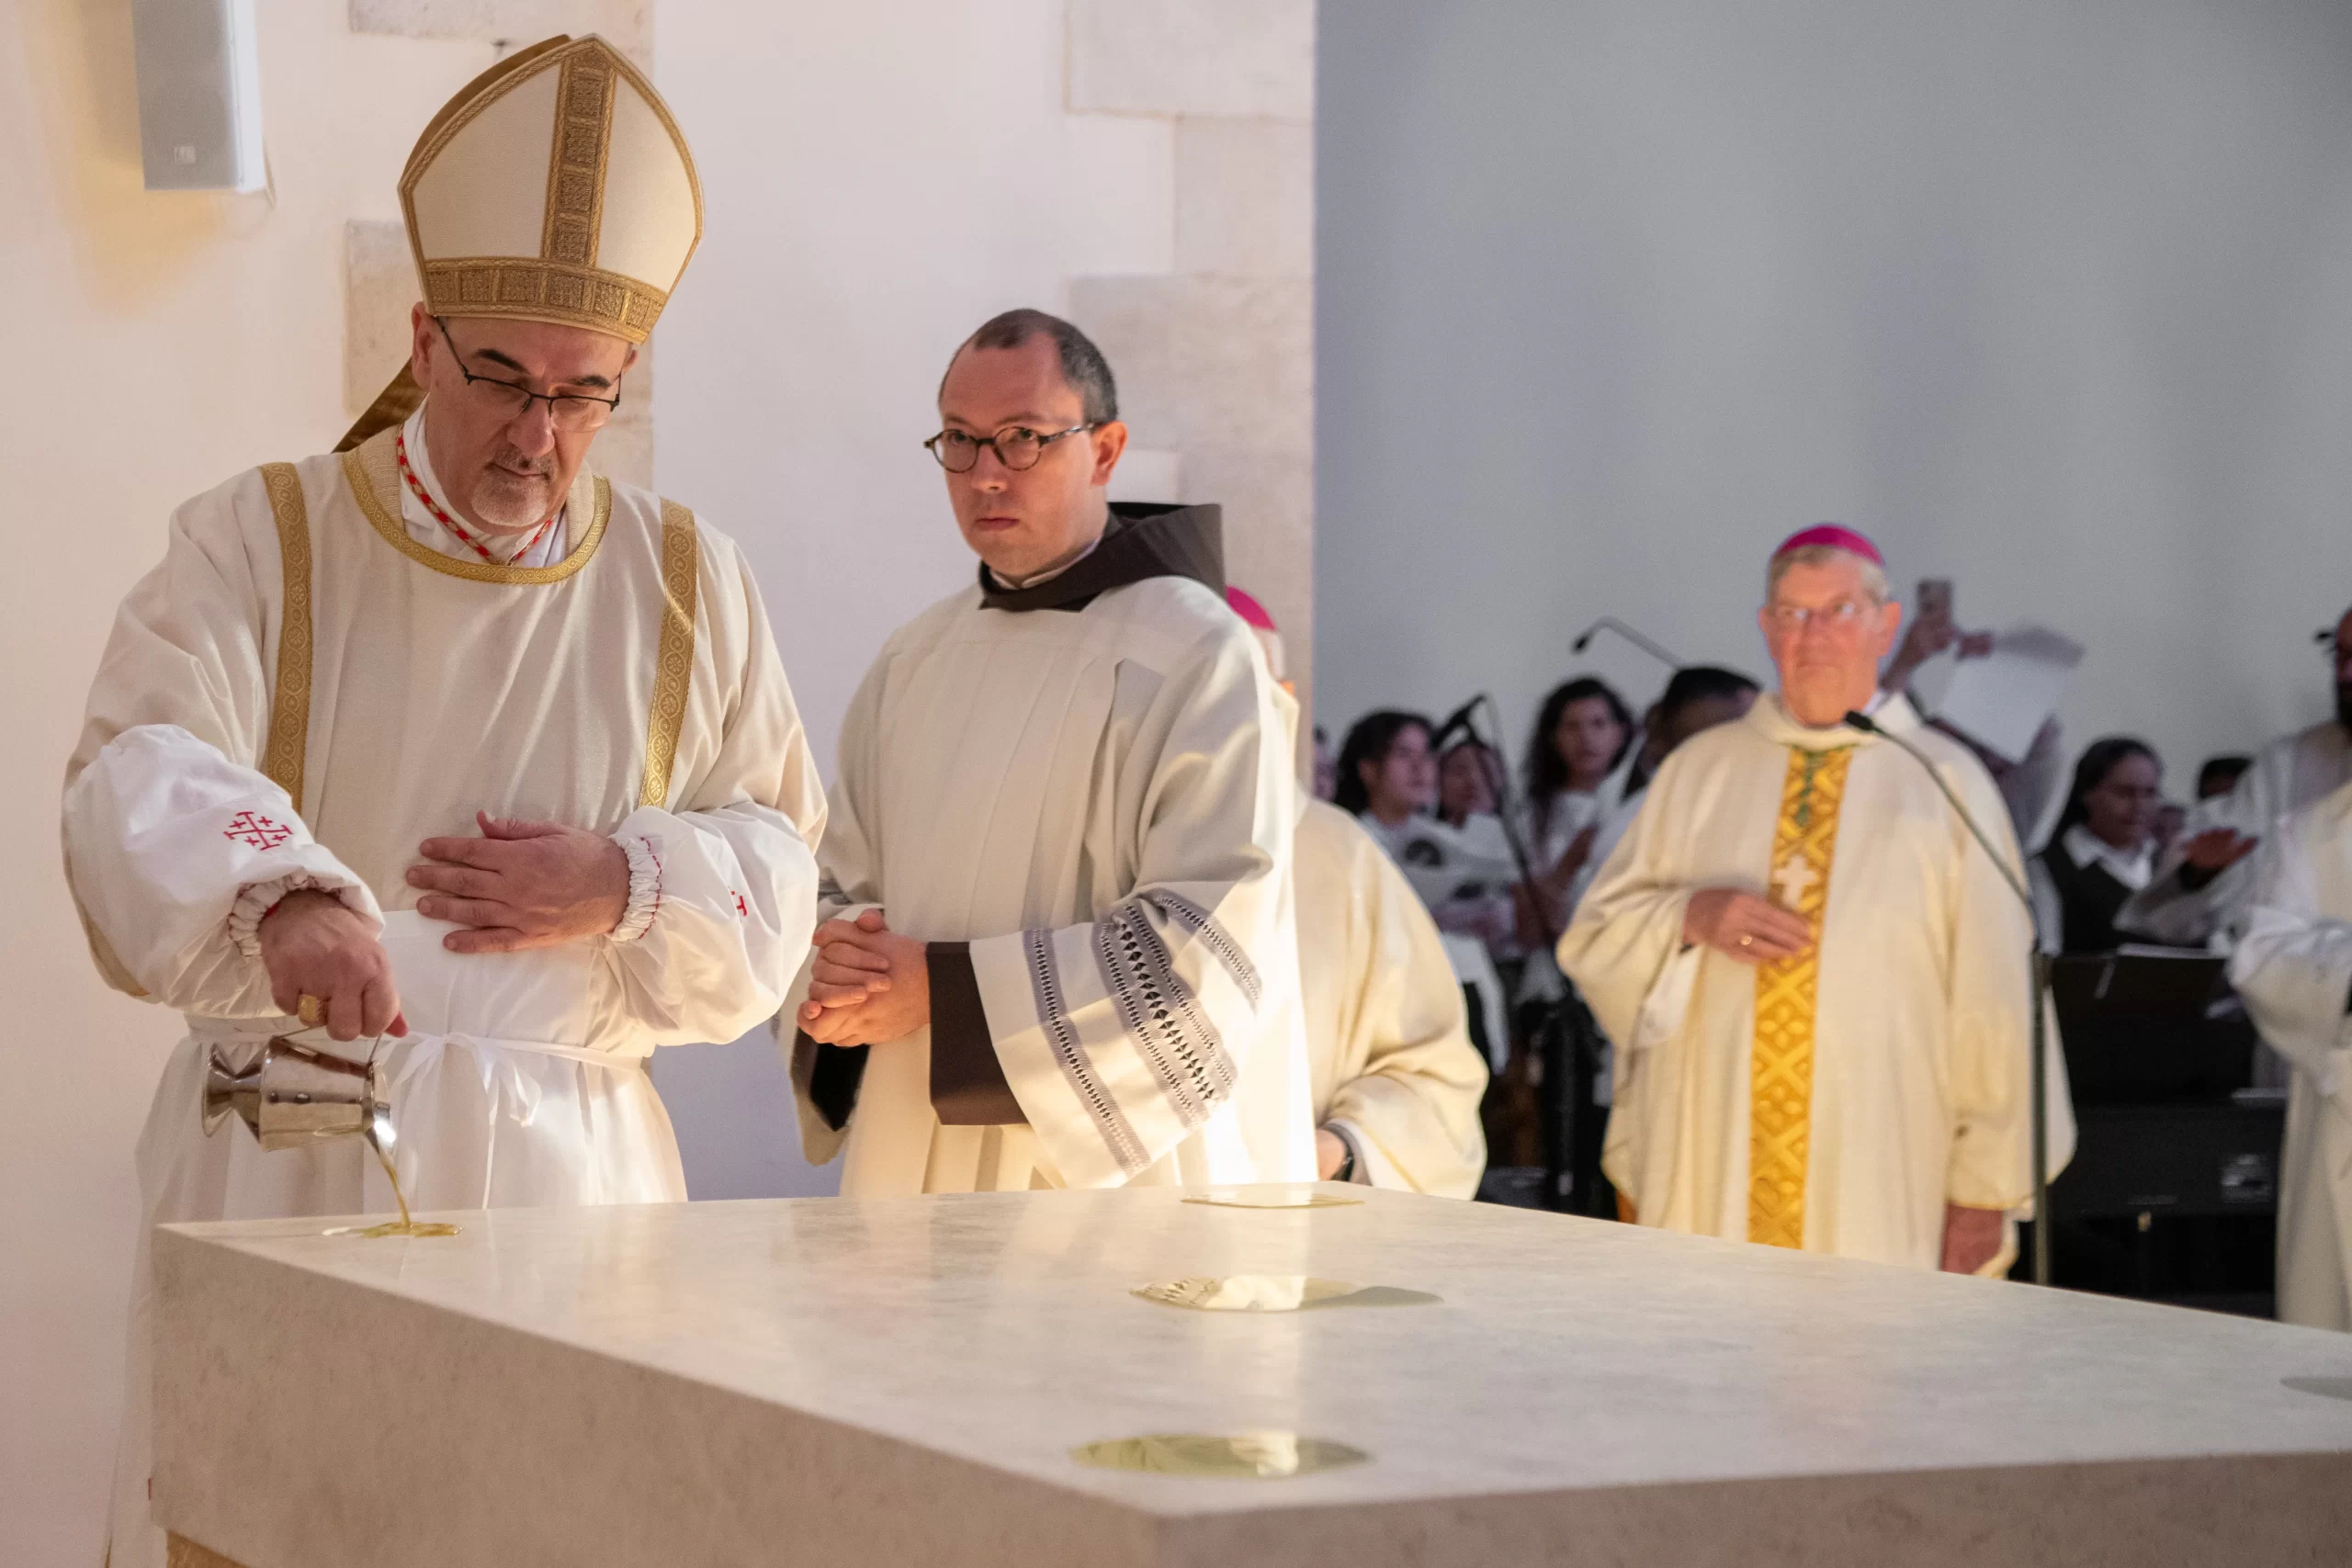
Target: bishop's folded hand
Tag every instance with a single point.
(522, 885)
(1744, 926)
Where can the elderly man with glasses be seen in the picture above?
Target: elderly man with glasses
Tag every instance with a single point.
(447, 749)
(1818, 982)
(1058, 948)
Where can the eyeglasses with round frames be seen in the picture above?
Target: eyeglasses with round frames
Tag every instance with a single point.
(1018, 447)
(572, 412)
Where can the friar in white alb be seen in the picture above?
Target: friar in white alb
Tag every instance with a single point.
(456, 751)
(2294, 967)
(1818, 982)
(1059, 949)
(1397, 1083)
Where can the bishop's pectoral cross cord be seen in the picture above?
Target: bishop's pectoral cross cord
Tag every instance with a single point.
(1781, 1056)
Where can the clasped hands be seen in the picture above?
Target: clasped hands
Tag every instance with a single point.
(868, 985)
(522, 885)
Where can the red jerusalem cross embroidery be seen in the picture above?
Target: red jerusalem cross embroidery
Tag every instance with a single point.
(261, 833)
(742, 909)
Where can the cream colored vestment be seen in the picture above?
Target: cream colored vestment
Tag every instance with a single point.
(1099, 801)
(1905, 1085)
(2294, 967)
(1388, 1037)
(301, 693)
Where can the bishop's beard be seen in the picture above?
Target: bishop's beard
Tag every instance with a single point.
(516, 492)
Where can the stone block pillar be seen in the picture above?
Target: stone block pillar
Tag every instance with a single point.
(1215, 360)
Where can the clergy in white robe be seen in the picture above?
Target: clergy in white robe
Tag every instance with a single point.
(1058, 948)
(2200, 892)
(2294, 967)
(1397, 1081)
(1818, 983)
(456, 740)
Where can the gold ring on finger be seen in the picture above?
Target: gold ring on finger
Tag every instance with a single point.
(309, 1010)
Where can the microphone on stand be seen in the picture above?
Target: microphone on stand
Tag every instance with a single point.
(1611, 624)
(1455, 722)
(2041, 969)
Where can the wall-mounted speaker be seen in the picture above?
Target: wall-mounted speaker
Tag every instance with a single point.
(200, 95)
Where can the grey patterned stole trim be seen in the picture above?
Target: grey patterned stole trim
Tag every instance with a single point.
(1053, 1013)
(1215, 937)
(1181, 1045)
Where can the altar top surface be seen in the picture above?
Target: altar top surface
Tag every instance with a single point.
(1563, 1354)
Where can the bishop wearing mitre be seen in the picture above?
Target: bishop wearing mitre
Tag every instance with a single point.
(1059, 947)
(447, 745)
(1817, 981)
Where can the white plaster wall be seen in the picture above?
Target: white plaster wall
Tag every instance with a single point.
(158, 344)
(2052, 299)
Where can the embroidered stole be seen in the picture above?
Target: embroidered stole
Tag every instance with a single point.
(1781, 1059)
(288, 746)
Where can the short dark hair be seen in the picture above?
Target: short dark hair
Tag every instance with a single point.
(1083, 367)
(1702, 683)
(2220, 775)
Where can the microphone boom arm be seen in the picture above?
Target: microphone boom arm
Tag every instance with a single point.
(2040, 964)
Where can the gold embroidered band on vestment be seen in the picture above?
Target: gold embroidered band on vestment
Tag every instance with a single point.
(1781, 1058)
(374, 475)
(181, 1552)
(674, 664)
(289, 701)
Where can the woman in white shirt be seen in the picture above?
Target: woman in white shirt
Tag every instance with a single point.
(1581, 734)
(2103, 848)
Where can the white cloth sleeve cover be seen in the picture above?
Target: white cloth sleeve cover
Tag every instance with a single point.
(730, 919)
(734, 871)
(163, 835)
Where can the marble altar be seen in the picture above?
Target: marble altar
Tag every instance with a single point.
(903, 1381)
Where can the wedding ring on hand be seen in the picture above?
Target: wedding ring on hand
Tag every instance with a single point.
(310, 1011)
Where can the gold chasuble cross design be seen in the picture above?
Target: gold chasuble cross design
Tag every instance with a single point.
(1780, 1061)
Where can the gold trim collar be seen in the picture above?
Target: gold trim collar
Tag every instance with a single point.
(374, 476)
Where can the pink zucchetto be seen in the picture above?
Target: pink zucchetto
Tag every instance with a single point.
(1245, 604)
(1253, 614)
(1834, 536)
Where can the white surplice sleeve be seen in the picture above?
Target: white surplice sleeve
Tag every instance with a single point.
(1989, 989)
(176, 844)
(1120, 1037)
(1410, 1103)
(2293, 966)
(723, 884)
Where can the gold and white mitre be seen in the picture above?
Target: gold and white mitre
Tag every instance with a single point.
(554, 187)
